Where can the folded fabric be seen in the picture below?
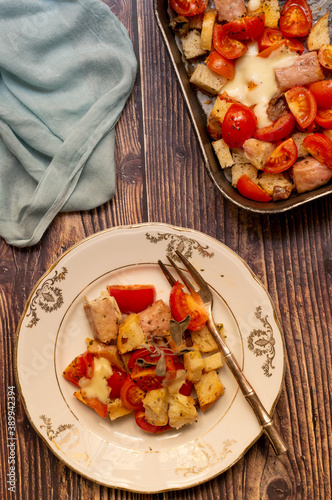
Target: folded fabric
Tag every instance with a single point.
(67, 68)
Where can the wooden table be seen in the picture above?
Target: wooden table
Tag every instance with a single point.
(161, 177)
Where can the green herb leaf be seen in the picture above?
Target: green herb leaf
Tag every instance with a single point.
(177, 329)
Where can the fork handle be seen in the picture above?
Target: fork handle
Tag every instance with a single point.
(249, 393)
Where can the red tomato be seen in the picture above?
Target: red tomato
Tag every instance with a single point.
(272, 35)
(320, 147)
(322, 92)
(227, 46)
(81, 366)
(246, 28)
(295, 18)
(239, 124)
(182, 304)
(278, 130)
(302, 104)
(94, 403)
(187, 387)
(115, 382)
(268, 51)
(131, 395)
(250, 190)
(324, 118)
(218, 63)
(147, 379)
(142, 422)
(325, 56)
(282, 158)
(132, 298)
(189, 7)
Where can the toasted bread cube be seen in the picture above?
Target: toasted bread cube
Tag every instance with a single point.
(207, 80)
(271, 9)
(181, 411)
(104, 316)
(109, 352)
(194, 364)
(213, 362)
(257, 152)
(276, 185)
(298, 139)
(208, 390)
(222, 104)
(239, 169)
(196, 22)
(191, 45)
(319, 34)
(209, 20)
(156, 406)
(116, 409)
(131, 335)
(203, 340)
(223, 153)
(239, 156)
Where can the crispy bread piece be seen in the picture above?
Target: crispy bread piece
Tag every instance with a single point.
(208, 390)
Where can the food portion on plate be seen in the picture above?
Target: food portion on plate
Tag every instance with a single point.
(265, 72)
(155, 360)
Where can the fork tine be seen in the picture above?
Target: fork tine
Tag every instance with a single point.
(182, 276)
(171, 280)
(194, 273)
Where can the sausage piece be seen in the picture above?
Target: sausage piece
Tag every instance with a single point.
(229, 10)
(156, 318)
(309, 174)
(306, 69)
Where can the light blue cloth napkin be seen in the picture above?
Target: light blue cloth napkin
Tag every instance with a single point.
(67, 68)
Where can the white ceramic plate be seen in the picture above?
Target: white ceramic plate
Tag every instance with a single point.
(53, 330)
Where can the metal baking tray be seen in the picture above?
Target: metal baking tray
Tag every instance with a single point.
(199, 120)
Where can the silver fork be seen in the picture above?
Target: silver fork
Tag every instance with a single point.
(249, 393)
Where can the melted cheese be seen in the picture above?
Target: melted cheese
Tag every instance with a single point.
(97, 387)
(254, 83)
(253, 5)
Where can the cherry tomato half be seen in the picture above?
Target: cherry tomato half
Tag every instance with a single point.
(320, 147)
(302, 104)
(282, 158)
(142, 422)
(81, 366)
(132, 298)
(146, 378)
(279, 129)
(239, 124)
(131, 395)
(218, 63)
(246, 28)
(325, 56)
(227, 46)
(250, 190)
(94, 403)
(273, 35)
(115, 381)
(324, 118)
(182, 304)
(268, 51)
(189, 7)
(295, 18)
(322, 92)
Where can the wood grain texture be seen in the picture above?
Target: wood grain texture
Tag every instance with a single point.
(161, 177)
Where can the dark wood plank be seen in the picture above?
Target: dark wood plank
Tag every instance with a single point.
(161, 177)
